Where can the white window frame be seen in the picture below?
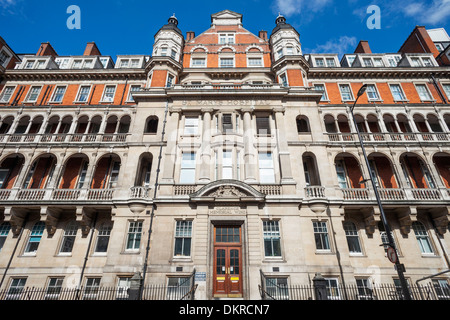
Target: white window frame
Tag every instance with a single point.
(77, 98)
(352, 233)
(34, 229)
(54, 94)
(330, 65)
(2, 95)
(8, 56)
(227, 164)
(15, 290)
(325, 93)
(446, 88)
(28, 100)
(421, 237)
(264, 168)
(75, 64)
(352, 96)
(285, 81)
(188, 166)
(134, 231)
(227, 37)
(401, 90)
(69, 234)
(191, 122)
(378, 97)
(130, 97)
(54, 287)
(427, 91)
(226, 58)
(322, 64)
(323, 235)
(194, 58)
(110, 99)
(330, 294)
(255, 58)
(183, 231)
(172, 82)
(272, 232)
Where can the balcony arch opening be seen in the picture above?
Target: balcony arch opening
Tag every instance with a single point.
(41, 172)
(10, 169)
(383, 171)
(22, 125)
(310, 169)
(124, 124)
(6, 124)
(416, 171)
(106, 172)
(143, 174)
(74, 173)
(348, 172)
(434, 124)
(441, 161)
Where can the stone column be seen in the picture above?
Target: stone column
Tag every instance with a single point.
(205, 164)
(171, 149)
(249, 153)
(283, 150)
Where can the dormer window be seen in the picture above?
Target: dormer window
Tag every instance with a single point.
(88, 63)
(29, 64)
(421, 62)
(320, 62)
(367, 62)
(331, 63)
(76, 64)
(40, 64)
(4, 57)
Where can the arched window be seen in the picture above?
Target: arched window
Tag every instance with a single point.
(354, 246)
(422, 237)
(302, 124)
(151, 125)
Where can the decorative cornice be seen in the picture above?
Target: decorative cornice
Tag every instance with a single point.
(74, 75)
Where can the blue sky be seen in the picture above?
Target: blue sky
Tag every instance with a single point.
(128, 26)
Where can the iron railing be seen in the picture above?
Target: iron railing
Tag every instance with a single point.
(270, 289)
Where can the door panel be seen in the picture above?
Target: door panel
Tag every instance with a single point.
(227, 278)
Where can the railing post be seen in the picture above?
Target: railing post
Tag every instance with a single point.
(320, 287)
(135, 287)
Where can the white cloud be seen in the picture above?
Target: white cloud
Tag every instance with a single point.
(435, 13)
(339, 46)
(292, 7)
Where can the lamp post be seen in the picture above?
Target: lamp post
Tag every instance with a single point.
(398, 266)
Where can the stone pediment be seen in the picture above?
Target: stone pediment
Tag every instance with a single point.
(227, 191)
(226, 17)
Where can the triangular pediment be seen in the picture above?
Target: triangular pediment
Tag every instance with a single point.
(226, 17)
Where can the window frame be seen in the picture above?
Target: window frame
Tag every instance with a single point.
(30, 92)
(68, 238)
(352, 96)
(134, 234)
(36, 232)
(55, 92)
(376, 91)
(324, 97)
(103, 232)
(186, 167)
(421, 236)
(429, 97)
(323, 236)
(271, 231)
(5, 227)
(352, 234)
(401, 91)
(2, 94)
(105, 93)
(270, 169)
(183, 234)
(88, 94)
(130, 91)
(227, 58)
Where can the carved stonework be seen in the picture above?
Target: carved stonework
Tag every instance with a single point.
(227, 192)
(227, 211)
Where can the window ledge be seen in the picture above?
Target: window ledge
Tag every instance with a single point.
(325, 252)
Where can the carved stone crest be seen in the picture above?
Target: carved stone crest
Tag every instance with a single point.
(227, 192)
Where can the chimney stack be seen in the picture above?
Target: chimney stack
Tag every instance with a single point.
(91, 50)
(46, 49)
(190, 35)
(363, 47)
(263, 34)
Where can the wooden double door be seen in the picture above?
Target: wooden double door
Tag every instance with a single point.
(227, 262)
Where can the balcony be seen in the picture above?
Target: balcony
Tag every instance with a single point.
(64, 138)
(28, 196)
(395, 137)
(391, 195)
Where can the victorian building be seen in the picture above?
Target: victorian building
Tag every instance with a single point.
(228, 153)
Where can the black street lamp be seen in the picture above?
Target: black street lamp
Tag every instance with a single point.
(398, 266)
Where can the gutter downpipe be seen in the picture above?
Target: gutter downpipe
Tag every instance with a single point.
(152, 214)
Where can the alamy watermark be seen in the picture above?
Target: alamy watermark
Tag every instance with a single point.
(74, 20)
(374, 21)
